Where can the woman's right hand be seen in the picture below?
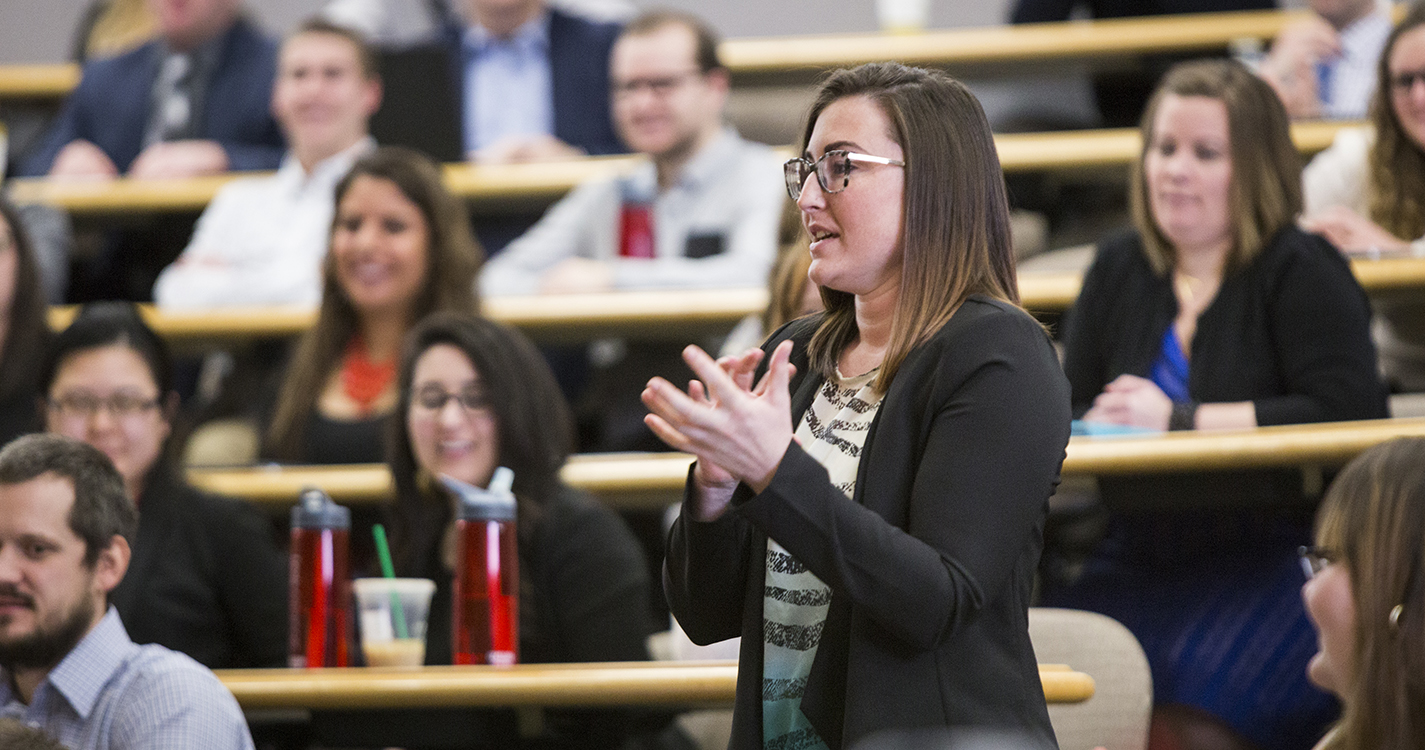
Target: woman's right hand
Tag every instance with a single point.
(715, 484)
(738, 433)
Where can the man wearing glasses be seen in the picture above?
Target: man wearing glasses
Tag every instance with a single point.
(702, 213)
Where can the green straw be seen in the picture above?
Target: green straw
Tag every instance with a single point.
(383, 552)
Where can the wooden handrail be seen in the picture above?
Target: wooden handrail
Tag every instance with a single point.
(1002, 44)
(494, 186)
(636, 683)
(651, 480)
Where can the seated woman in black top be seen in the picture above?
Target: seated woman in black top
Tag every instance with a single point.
(1216, 312)
(474, 395)
(401, 248)
(205, 577)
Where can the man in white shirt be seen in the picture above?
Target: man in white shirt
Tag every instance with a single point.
(67, 666)
(713, 199)
(261, 241)
(1324, 65)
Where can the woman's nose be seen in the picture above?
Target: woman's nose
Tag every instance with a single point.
(812, 196)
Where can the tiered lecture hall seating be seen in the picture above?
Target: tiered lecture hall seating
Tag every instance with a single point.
(648, 481)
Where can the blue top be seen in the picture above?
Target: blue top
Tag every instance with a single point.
(509, 81)
(1170, 369)
(109, 693)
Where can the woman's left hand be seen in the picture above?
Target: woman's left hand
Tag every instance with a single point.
(1352, 233)
(721, 421)
(1132, 400)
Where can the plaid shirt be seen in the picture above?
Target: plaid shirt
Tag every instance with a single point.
(112, 694)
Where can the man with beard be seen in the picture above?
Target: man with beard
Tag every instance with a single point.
(66, 664)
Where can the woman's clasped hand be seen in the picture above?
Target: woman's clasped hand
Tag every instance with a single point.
(737, 431)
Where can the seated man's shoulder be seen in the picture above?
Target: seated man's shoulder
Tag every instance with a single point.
(103, 71)
(572, 26)
(158, 670)
(166, 699)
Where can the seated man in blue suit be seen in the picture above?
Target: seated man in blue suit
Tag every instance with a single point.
(533, 82)
(195, 101)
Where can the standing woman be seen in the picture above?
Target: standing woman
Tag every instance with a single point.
(24, 329)
(401, 248)
(1216, 312)
(1367, 192)
(890, 546)
(1365, 594)
(206, 578)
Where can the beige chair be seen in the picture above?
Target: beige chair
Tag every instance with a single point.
(1117, 715)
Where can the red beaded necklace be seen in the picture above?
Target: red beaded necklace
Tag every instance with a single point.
(362, 380)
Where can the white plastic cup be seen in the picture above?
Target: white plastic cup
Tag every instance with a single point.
(902, 16)
(384, 605)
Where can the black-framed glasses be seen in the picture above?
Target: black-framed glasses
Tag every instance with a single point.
(1315, 559)
(659, 86)
(1404, 81)
(87, 405)
(833, 170)
(435, 399)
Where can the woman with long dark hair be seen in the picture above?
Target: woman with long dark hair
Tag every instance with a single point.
(474, 395)
(401, 248)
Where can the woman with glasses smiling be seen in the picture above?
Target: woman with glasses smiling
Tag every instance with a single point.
(868, 516)
(205, 577)
(474, 395)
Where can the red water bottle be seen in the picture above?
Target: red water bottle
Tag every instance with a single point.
(636, 230)
(319, 598)
(485, 625)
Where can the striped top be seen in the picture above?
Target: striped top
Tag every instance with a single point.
(794, 602)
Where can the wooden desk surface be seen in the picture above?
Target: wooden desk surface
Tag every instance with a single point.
(1083, 40)
(496, 187)
(629, 481)
(651, 480)
(676, 315)
(48, 81)
(641, 683)
(1379, 277)
(1118, 147)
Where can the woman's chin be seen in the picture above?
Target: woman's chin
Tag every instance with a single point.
(1320, 673)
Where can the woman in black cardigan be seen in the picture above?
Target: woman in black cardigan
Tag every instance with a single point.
(868, 517)
(1216, 312)
(206, 578)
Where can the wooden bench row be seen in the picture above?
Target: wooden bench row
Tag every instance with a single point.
(634, 481)
(531, 685)
(681, 316)
(753, 59)
(495, 188)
